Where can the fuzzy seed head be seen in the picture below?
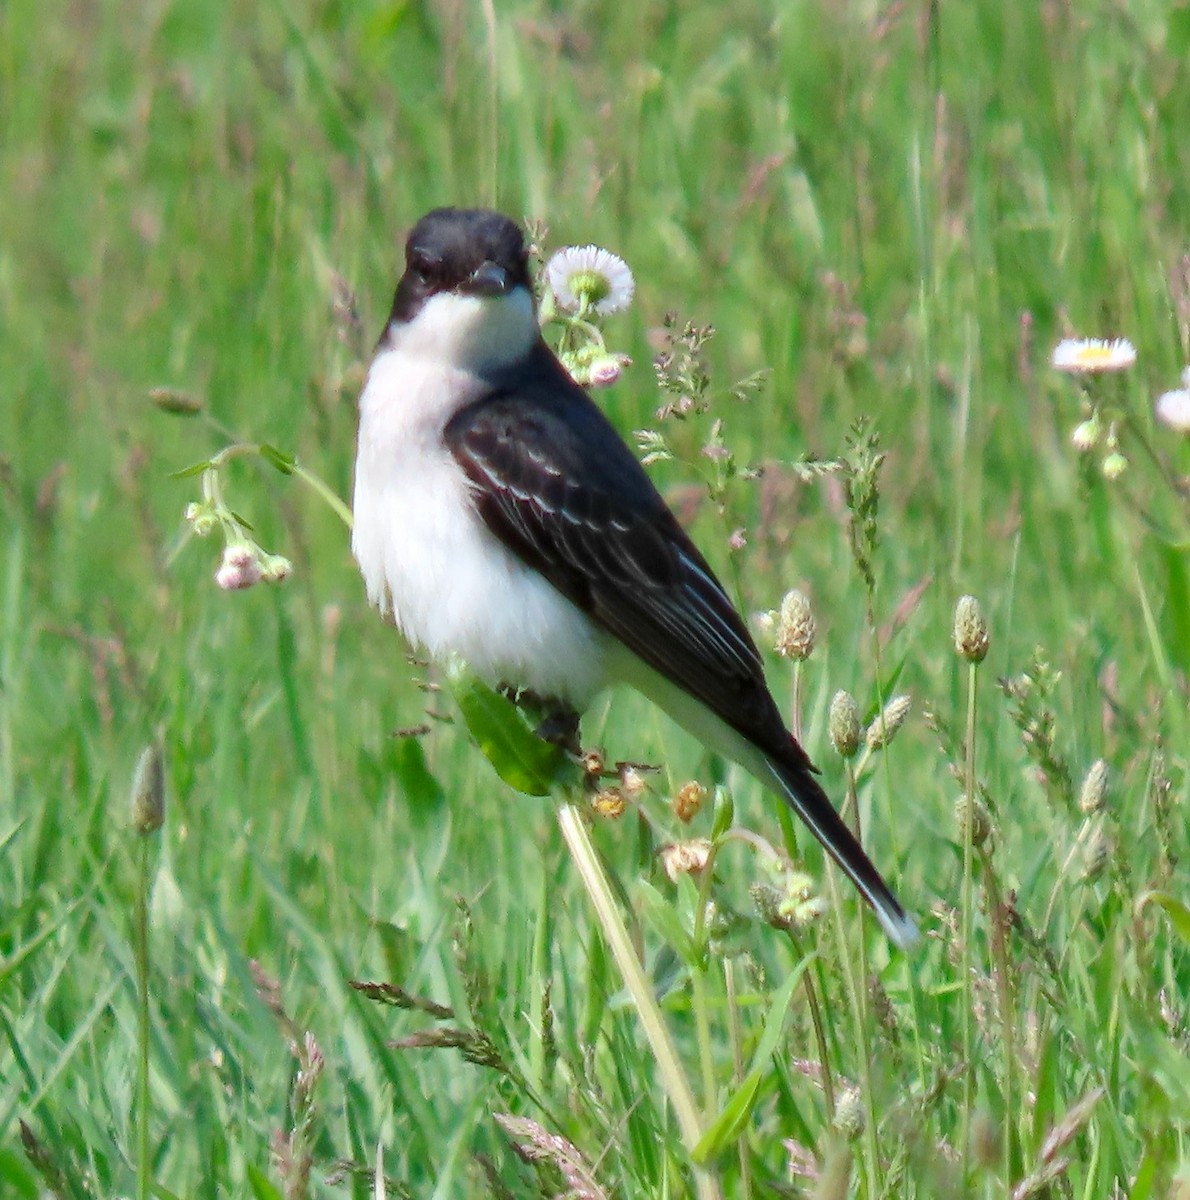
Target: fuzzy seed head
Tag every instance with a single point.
(688, 800)
(1094, 790)
(685, 858)
(609, 803)
(1098, 855)
(843, 724)
(849, 1113)
(970, 630)
(884, 728)
(795, 627)
(148, 791)
(800, 905)
(981, 821)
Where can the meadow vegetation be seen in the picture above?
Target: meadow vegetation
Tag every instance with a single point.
(892, 211)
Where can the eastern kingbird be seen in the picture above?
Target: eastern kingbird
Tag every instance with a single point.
(500, 517)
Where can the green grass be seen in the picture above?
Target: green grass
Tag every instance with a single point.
(898, 212)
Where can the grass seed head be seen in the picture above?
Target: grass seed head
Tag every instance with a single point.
(849, 1113)
(795, 627)
(148, 791)
(843, 724)
(970, 630)
(890, 719)
(1091, 795)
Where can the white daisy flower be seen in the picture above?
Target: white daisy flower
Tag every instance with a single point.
(590, 277)
(1089, 356)
(1173, 408)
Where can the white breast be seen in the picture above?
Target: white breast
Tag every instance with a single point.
(428, 558)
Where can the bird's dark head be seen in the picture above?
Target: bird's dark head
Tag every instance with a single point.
(466, 294)
(468, 251)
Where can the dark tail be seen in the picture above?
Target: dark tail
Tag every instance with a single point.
(800, 788)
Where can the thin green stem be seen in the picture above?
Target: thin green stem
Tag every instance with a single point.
(324, 493)
(828, 1082)
(702, 1026)
(967, 918)
(860, 999)
(212, 490)
(140, 952)
(1007, 1007)
(673, 1078)
(795, 715)
(737, 1068)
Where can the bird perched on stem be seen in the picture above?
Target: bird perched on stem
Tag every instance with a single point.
(500, 517)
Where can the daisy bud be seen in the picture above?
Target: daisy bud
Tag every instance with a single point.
(882, 730)
(795, 627)
(606, 369)
(1087, 435)
(148, 791)
(275, 568)
(1114, 465)
(238, 569)
(685, 858)
(1091, 794)
(200, 518)
(843, 725)
(688, 800)
(970, 630)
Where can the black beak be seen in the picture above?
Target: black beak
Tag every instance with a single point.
(489, 279)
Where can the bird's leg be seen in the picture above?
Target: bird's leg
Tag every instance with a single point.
(558, 722)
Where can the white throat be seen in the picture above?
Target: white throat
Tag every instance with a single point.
(468, 333)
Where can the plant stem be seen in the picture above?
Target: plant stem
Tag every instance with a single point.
(1007, 1006)
(737, 1068)
(673, 1078)
(859, 990)
(828, 1082)
(140, 953)
(967, 918)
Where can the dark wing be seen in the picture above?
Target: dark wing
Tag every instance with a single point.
(557, 485)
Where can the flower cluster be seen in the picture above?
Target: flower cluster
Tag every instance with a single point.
(583, 285)
(244, 561)
(1087, 358)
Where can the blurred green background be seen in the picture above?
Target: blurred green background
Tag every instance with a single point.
(895, 209)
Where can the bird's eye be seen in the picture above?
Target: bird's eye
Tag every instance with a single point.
(424, 268)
